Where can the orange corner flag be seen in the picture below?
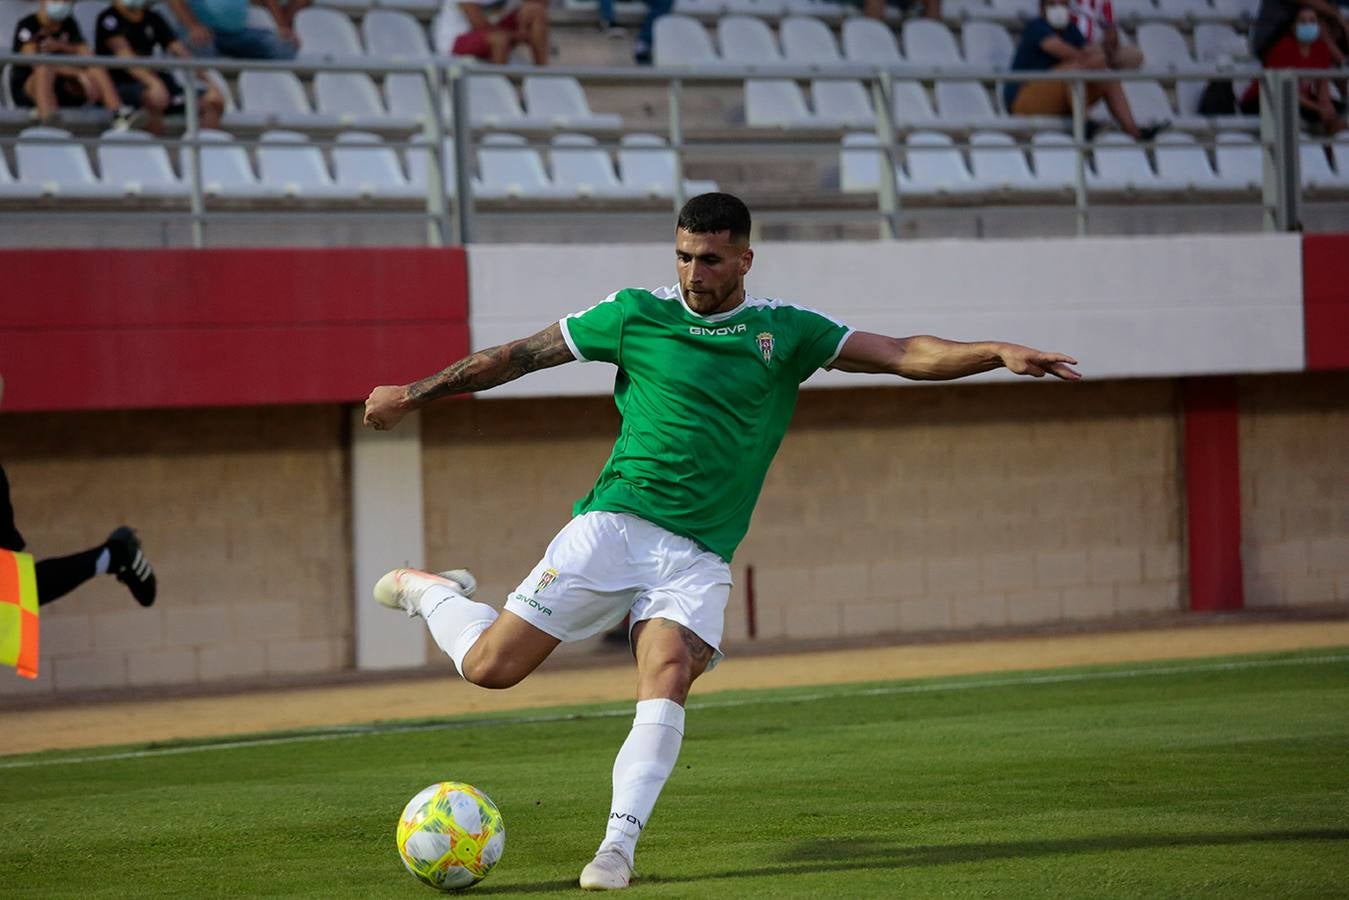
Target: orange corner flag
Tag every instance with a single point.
(18, 613)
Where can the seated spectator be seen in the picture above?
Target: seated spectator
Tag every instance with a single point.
(52, 30)
(1096, 20)
(220, 28)
(1303, 48)
(1053, 43)
(1274, 19)
(641, 49)
(490, 29)
(127, 28)
(875, 9)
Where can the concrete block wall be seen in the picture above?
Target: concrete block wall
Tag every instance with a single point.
(244, 515)
(1295, 489)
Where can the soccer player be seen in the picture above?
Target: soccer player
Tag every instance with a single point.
(706, 385)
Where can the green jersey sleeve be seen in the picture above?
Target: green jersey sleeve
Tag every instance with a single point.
(596, 334)
(820, 339)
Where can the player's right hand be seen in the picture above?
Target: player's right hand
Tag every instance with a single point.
(384, 407)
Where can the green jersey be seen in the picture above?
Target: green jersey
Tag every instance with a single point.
(705, 401)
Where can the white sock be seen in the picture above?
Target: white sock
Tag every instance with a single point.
(456, 622)
(101, 564)
(644, 762)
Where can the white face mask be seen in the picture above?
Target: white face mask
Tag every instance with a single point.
(58, 10)
(1057, 17)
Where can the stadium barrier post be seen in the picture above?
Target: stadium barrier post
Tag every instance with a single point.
(437, 218)
(463, 185)
(1080, 156)
(192, 115)
(676, 92)
(1279, 128)
(887, 198)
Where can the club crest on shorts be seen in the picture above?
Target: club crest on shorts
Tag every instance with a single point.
(765, 339)
(547, 578)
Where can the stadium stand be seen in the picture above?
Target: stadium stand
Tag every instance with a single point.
(365, 165)
(134, 162)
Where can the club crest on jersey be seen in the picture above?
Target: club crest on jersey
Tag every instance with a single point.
(765, 339)
(547, 578)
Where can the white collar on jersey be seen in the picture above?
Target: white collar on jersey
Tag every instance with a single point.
(676, 291)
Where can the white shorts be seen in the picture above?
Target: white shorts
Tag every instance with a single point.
(605, 565)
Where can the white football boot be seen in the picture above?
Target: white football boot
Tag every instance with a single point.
(610, 870)
(403, 588)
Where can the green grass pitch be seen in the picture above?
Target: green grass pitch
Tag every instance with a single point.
(1221, 778)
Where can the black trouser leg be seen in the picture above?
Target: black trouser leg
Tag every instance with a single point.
(61, 575)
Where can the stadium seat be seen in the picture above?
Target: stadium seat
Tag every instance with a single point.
(48, 159)
(859, 163)
(1183, 165)
(1340, 151)
(418, 157)
(808, 42)
(350, 7)
(825, 10)
(1219, 43)
(775, 103)
(275, 98)
(493, 102)
(930, 43)
(965, 104)
(288, 163)
(1190, 10)
(842, 102)
(747, 41)
(225, 169)
(11, 11)
(987, 45)
(682, 41)
(1053, 160)
(912, 106)
(560, 101)
(405, 96)
(997, 164)
(1131, 12)
(769, 9)
(646, 166)
(85, 13)
(870, 42)
(580, 166)
(1120, 165)
(410, 6)
(1164, 48)
(965, 10)
(394, 35)
(1236, 10)
(935, 166)
(508, 167)
(709, 9)
(326, 34)
(369, 168)
(1150, 104)
(1239, 163)
(12, 189)
(138, 165)
(351, 98)
(1014, 10)
(1314, 167)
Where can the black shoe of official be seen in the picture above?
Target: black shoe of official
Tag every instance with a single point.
(130, 566)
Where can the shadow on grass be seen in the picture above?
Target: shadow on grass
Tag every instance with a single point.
(841, 855)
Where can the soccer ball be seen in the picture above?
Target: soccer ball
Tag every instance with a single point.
(450, 835)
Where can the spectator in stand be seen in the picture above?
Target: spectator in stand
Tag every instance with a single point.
(875, 9)
(1274, 19)
(220, 28)
(641, 49)
(1096, 20)
(1053, 43)
(128, 28)
(1303, 48)
(490, 29)
(51, 30)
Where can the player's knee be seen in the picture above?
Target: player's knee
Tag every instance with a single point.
(491, 670)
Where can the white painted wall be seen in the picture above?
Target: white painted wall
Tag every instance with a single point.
(1125, 307)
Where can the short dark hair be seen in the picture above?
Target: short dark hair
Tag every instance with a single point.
(710, 213)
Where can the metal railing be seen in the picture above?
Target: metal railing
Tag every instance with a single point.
(450, 217)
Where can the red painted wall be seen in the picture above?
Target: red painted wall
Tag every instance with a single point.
(1213, 493)
(1325, 285)
(117, 329)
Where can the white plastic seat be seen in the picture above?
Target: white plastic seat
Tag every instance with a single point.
(560, 101)
(764, 9)
(326, 34)
(710, 9)
(912, 106)
(581, 167)
(1164, 48)
(1053, 160)
(1239, 162)
(418, 158)
(860, 158)
(405, 96)
(48, 159)
(1120, 165)
(747, 41)
(390, 34)
(493, 102)
(646, 166)
(682, 41)
(935, 166)
(138, 165)
(824, 10)
(1314, 167)
(13, 189)
(987, 45)
(351, 98)
(275, 98)
(288, 163)
(1236, 10)
(1340, 151)
(1148, 102)
(368, 167)
(775, 103)
(808, 42)
(870, 42)
(930, 43)
(965, 103)
(997, 164)
(965, 10)
(508, 167)
(1130, 12)
(85, 13)
(225, 168)
(842, 102)
(1014, 10)
(1182, 164)
(1219, 43)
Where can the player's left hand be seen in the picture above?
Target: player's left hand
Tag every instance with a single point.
(1037, 363)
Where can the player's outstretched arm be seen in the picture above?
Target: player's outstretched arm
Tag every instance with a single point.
(387, 404)
(926, 358)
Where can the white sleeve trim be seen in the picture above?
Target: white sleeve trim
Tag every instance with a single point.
(571, 344)
(837, 350)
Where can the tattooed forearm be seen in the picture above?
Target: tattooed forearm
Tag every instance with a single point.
(494, 366)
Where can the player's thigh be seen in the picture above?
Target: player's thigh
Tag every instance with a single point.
(515, 644)
(693, 594)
